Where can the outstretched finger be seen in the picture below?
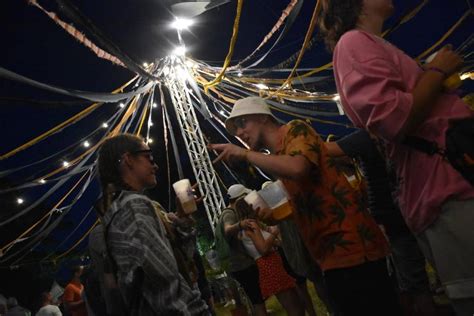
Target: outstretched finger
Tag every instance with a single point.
(219, 158)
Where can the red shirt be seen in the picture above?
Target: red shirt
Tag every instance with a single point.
(72, 293)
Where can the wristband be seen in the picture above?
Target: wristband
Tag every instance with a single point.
(441, 71)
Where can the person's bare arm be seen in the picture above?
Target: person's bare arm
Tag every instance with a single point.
(334, 149)
(428, 88)
(263, 245)
(284, 166)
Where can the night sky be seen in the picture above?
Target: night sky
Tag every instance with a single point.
(34, 46)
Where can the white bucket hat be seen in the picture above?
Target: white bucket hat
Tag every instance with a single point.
(237, 190)
(247, 106)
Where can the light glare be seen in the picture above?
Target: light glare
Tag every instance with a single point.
(181, 23)
(179, 51)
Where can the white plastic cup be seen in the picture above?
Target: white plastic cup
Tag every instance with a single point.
(184, 192)
(254, 199)
(278, 199)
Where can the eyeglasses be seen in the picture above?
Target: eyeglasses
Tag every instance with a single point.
(144, 151)
(240, 122)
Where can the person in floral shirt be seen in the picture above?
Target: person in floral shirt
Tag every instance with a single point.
(331, 216)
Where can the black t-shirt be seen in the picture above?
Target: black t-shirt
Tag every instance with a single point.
(360, 146)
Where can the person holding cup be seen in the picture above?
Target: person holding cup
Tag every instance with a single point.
(136, 239)
(332, 219)
(407, 106)
(261, 246)
(241, 266)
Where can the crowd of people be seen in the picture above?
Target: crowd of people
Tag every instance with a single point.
(407, 205)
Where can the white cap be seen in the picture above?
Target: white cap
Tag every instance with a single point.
(237, 190)
(247, 106)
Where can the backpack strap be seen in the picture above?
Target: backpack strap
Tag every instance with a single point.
(428, 147)
(112, 264)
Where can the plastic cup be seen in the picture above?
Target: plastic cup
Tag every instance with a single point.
(278, 199)
(254, 199)
(184, 192)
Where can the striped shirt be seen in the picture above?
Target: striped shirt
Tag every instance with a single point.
(147, 271)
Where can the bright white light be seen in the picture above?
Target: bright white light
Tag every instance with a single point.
(239, 74)
(337, 98)
(261, 86)
(150, 123)
(105, 125)
(149, 141)
(181, 72)
(20, 201)
(42, 181)
(145, 64)
(86, 144)
(179, 51)
(181, 23)
(154, 105)
(122, 105)
(65, 164)
(222, 112)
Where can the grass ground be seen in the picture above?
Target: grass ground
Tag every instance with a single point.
(274, 308)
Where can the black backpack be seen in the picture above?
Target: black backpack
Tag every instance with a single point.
(93, 293)
(92, 285)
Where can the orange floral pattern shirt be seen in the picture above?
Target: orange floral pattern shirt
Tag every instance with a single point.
(332, 217)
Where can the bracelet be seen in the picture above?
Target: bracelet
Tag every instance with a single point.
(438, 70)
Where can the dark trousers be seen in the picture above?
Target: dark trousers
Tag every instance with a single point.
(365, 290)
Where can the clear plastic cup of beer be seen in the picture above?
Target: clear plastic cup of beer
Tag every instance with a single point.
(278, 199)
(255, 200)
(185, 195)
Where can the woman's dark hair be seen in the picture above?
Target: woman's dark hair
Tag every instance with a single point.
(336, 18)
(110, 153)
(242, 209)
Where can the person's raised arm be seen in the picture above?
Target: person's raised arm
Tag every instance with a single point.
(286, 166)
(376, 94)
(263, 245)
(429, 86)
